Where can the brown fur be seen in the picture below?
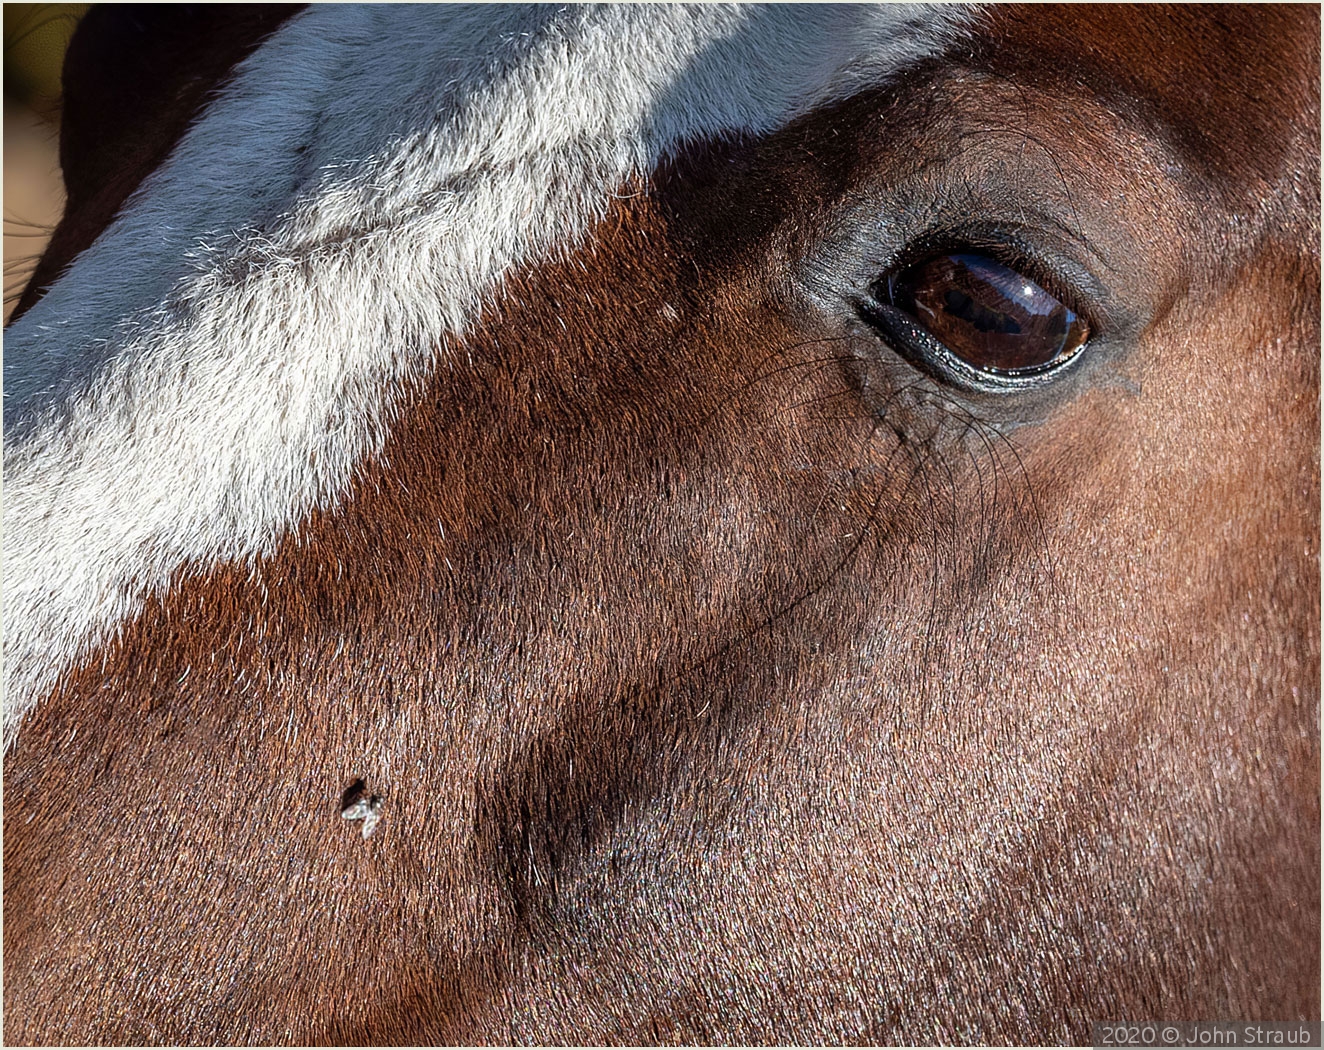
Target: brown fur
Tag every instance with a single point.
(725, 679)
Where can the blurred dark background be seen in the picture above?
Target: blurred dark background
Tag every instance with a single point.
(35, 38)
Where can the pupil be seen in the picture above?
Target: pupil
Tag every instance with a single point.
(961, 305)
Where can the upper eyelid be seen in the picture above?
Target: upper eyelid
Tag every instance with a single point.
(869, 232)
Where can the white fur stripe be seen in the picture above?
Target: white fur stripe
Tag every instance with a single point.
(220, 360)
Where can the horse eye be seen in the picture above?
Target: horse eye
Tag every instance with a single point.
(990, 316)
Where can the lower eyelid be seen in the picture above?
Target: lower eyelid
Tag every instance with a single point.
(909, 340)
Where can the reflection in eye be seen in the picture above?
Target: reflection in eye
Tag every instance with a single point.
(987, 314)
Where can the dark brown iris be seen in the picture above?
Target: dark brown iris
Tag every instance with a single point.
(987, 314)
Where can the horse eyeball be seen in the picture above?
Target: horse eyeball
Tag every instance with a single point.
(988, 315)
